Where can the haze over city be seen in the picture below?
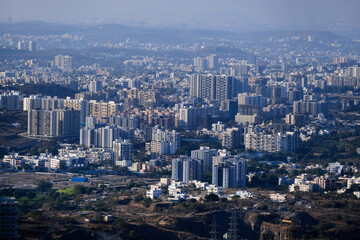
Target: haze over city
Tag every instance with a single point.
(236, 15)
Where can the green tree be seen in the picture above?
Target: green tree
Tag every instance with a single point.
(138, 198)
(207, 177)
(79, 189)
(147, 202)
(27, 167)
(44, 186)
(212, 197)
(121, 170)
(132, 234)
(187, 147)
(35, 214)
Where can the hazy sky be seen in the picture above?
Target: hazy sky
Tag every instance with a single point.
(226, 14)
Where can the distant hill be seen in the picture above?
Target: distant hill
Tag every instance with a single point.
(116, 32)
(44, 89)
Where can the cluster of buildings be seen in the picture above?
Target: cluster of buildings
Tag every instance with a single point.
(272, 142)
(63, 62)
(332, 175)
(27, 45)
(176, 190)
(44, 161)
(164, 142)
(308, 183)
(56, 123)
(11, 100)
(266, 102)
(227, 171)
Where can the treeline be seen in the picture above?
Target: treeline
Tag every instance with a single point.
(46, 89)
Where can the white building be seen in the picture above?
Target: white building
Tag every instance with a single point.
(272, 142)
(164, 141)
(102, 137)
(13, 160)
(186, 169)
(214, 189)
(357, 194)
(95, 86)
(336, 168)
(64, 62)
(244, 119)
(165, 181)
(251, 99)
(123, 152)
(175, 188)
(230, 172)
(154, 192)
(232, 138)
(218, 127)
(10, 100)
(199, 184)
(206, 155)
(277, 197)
(244, 194)
(301, 187)
(302, 183)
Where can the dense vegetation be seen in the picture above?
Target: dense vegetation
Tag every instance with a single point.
(44, 89)
(330, 148)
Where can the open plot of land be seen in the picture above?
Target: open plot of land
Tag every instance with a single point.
(28, 180)
(9, 134)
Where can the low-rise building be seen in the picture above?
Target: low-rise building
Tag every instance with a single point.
(277, 197)
(154, 192)
(214, 189)
(244, 194)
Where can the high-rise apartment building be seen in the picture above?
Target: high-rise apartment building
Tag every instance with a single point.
(103, 137)
(251, 99)
(8, 218)
(32, 46)
(260, 141)
(22, 45)
(241, 68)
(229, 173)
(164, 141)
(190, 117)
(54, 123)
(64, 62)
(38, 102)
(103, 109)
(206, 155)
(213, 61)
(337, 60)
(10, 100)
(125, 122)
(211, 87)
(123, 152)
(186, 169)
(199, 63)
(310, 108)
(95, 86)
(224, 86)
(249, 108)
(232, 138)
(78, 104)
(354, 71)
